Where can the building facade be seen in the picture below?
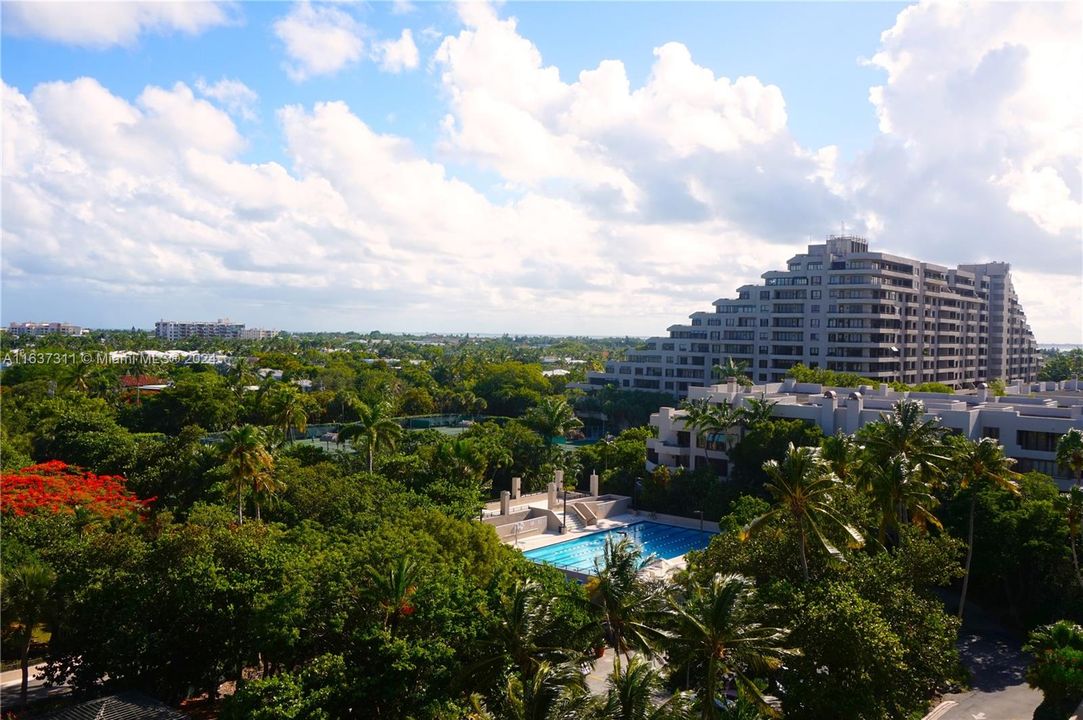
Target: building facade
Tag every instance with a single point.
(45, 328)
(841, 307)
(1027, 421)
(221, 328)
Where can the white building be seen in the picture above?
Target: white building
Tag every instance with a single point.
(45, 328)
(221, 328)
(840, 307)
(1027, 421)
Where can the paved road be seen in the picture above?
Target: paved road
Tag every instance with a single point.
(11, 680)
(998, 690)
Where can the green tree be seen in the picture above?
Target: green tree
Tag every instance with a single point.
(900, 496)
(1070, 504)
(552, 692)
(250, 465)
(552, 418)
(977, 464)
(802, 485)
(286, 410)
(906, 431)
(26, 594)
(714, 631)
(1070, 453)
(392, 590)
(374, 428)
(628, 603)
(632, 694)
(1057, 669)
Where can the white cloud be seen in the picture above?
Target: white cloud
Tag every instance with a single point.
(629, 206)
(319, 40)
(104, 24)
(397, 55)
(402, 7)
(981, 116)
(237, 98)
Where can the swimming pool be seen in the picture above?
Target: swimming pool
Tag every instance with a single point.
(665, 541)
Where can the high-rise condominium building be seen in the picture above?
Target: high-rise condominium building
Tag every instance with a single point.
(840, 307)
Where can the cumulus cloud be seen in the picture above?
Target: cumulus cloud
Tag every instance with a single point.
(981, 115)
(104, 24)
(237, 98)
(397, 55)
(686, 146)
(319, 40)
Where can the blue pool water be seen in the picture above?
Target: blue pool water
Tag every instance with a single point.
(665, 541)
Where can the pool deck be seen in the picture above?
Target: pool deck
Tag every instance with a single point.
(662, 566)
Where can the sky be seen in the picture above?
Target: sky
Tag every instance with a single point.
(548, 168)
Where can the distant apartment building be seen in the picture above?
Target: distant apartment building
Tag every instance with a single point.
(257, 334)
(221, 328)
(1027, 421)
(45, 328)
(841, 307)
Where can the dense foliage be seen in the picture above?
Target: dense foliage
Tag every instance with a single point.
(208, 552)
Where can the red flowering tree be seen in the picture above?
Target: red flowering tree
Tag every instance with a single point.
(56, 487)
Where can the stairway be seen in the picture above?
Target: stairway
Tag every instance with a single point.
(575, 523)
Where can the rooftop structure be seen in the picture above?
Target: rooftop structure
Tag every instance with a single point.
(1027, 420)
(841, 307)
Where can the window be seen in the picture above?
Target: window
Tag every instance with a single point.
(991, 432)
(814, 322)
(765, 294)
(817, 280)
(765, 322)
(814, 336)
(814, 351)
(816, 294)
(815, 308)
(763, 349)
(1034, 440)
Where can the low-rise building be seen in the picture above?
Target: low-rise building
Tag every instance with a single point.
(180, 330)
(45, 328)
(1027, 420)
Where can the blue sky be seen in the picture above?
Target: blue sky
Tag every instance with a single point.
(465, 187)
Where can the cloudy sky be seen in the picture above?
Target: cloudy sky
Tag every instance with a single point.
(572, 168)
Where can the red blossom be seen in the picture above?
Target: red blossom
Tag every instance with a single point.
(58, 488)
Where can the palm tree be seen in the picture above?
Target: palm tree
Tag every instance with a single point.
(374, 427)
(802, 486)
(463, 457)
(714, 632)
(241, 375)
(1071, 505)
(553, 692)
(626, 600)
(553, 417)
(517, 632)
(843, 453)
(981, 464)
(632, 691)
(906, 431)
(392, 589)
(288, 412)
(900, 495)
(710, 419)
(26, 593)
(731, 368)
(245, 451)
(1070, 453)
(755, 411)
